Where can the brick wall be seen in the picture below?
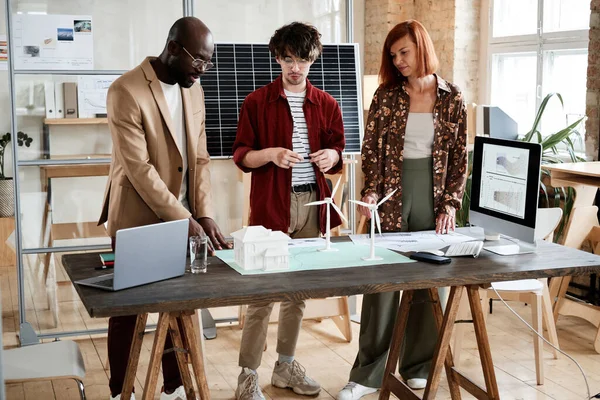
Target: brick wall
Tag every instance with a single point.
(438, 17)
(592, 125)
(452, 24)
(380, 17)
(466, 47)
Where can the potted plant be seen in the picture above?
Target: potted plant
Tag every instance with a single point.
(7, 206)
(551, 149)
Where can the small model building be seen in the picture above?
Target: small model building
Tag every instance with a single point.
(256, 247)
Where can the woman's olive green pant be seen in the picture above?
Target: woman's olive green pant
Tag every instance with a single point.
(378, 315)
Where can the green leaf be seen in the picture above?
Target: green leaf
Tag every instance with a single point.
(545, 193)
(556, 138)
(538, 116)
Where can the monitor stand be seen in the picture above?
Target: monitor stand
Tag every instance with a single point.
(506, 246)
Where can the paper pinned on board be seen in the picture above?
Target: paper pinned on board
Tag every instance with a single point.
(53, 41)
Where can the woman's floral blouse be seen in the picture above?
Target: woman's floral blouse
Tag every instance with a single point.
(383, 148)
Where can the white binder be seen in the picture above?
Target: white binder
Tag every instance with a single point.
(59, 100)
(49, 95)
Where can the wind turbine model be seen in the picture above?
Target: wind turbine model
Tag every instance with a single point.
(329, 202)
(374, 219)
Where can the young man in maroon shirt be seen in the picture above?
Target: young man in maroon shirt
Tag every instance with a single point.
(289, 134)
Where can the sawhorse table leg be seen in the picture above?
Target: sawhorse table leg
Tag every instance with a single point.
(181, 328)
(442, 355)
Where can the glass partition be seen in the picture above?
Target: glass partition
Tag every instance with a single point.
(63, 168)
(244, 21)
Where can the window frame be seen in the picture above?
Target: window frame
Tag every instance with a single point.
(538, 42)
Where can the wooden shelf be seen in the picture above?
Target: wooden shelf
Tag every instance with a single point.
(80, 156)
(72, 171)
(75, 121)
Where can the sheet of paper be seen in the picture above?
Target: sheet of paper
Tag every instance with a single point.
(311, 242)
(91, 94)
(412, 241)
(53, 41)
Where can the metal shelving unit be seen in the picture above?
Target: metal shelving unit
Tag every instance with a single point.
(27, 334)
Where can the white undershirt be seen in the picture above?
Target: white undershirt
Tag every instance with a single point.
(173, 96)
(303, 171)
(418, 140)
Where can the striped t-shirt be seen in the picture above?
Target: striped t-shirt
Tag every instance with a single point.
(302, 172)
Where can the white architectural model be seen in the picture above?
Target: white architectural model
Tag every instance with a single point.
(374, 219)
(329, 202)
(256, 247)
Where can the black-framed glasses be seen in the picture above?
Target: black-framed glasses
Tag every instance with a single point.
(198, 63)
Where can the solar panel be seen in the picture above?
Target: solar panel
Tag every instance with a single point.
(242, 68)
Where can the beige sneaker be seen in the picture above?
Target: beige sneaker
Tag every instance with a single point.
(248, 388)
(293, 376)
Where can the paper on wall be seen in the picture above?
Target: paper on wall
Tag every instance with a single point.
(91, 94)
(53, 42)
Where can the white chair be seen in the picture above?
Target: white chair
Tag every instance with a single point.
(531, 291)
(54, 360)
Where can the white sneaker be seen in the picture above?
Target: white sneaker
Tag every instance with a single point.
(178, 394)
(417, 383)
(354, 391)
(119, 397)
(293, 376)
(248, 388)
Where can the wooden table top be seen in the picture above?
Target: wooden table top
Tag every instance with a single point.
(222, 286)
(580, 168)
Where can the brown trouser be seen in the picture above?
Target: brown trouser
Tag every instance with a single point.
(304, 223)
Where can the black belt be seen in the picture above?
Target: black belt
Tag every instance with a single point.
(307, 187)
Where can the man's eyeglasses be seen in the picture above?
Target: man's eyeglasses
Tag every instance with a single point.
(302, 63)
(198, 63)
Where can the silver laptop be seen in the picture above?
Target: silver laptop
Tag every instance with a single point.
(144, 255)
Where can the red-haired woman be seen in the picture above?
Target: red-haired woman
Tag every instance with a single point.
(415, 140)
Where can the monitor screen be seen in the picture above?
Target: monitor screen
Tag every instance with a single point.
(504, 179)
(505, 185)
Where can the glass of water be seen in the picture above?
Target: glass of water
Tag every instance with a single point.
(198, 254)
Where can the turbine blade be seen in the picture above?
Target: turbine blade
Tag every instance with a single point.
(386, 197)
(339, 212)
(336, 187)
(315, 203)
(378, 222)
(360, 203)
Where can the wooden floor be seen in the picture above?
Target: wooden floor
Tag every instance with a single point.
(321, 349)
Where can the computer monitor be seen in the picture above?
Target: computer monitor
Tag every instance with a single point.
(504, 192)
(492, 121)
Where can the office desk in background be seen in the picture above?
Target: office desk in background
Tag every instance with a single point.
(584, 178)
(175, 299)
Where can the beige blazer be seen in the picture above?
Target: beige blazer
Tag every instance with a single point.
(146, 169)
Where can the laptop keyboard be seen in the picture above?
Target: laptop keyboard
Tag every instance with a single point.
(464, 249)
(105, 282)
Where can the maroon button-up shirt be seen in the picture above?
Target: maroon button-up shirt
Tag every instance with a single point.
(266, 121)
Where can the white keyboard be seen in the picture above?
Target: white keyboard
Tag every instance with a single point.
(464, 249)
